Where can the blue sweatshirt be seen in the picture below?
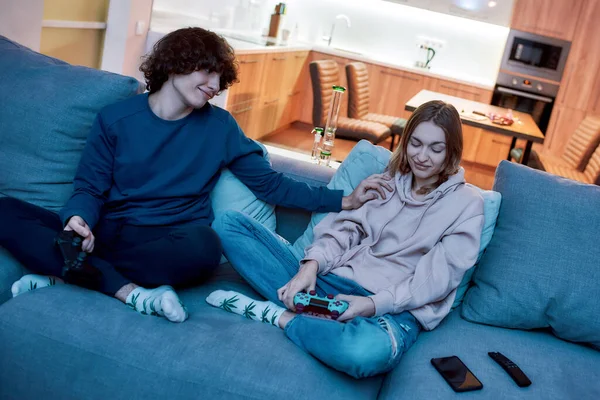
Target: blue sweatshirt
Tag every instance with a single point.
(143, 170)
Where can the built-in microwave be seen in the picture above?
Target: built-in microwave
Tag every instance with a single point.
(535, 55)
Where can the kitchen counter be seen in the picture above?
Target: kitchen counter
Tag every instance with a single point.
(246, 43)
(240, 46)
(434, 72)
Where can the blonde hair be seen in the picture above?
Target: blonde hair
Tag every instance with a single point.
(446, 117)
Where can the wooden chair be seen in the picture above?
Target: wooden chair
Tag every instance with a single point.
(577, 156)
(324, 75)
(359, 98)
(591, 173)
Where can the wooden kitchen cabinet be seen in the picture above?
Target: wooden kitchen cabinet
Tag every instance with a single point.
(492, 148)
(244, 97)
(275, 65)
(580, 88)
(281, 89)
(247, 116)
(579, 93)
(250, 79)
(462, 91)
(391, 88)
(268, 89)
(554, 18)
(268, 112)
(471, 137)
(293, 86)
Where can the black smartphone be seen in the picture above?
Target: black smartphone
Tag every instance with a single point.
(455, 372)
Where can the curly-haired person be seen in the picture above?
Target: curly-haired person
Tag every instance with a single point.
(141, 192)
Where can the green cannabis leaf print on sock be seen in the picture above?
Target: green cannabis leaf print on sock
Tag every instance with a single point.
(248, 313)
(144, 306)
(133, 303)
(228, 304)
(263, 317)
(153, 309)
(238, 303)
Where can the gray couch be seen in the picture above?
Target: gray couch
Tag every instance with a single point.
(67, 342)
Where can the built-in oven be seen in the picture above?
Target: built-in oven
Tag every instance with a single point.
(527, 95)
(535, 55)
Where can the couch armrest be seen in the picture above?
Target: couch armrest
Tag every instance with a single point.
(10, 271)
(313, 174)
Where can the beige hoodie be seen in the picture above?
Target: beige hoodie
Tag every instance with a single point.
(411, 254)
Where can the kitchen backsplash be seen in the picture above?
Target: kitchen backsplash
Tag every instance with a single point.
(382, 30)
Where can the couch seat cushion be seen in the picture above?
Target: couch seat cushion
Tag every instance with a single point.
(556, 368)
(82, 344)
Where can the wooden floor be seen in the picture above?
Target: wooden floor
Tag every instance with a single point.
(298, 138)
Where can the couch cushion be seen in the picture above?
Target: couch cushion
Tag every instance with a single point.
(557, 369)
(82, 344)
(46, 111)
(542, 266)
(364, 160)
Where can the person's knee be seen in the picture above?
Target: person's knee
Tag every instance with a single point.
(364, 355)
(226, 220)
(198, 251)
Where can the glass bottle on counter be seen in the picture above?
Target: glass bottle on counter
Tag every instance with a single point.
(316, 150)
(331, 125)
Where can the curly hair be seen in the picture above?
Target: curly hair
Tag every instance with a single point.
(187, 50)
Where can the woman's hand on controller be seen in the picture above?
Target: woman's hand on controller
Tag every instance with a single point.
(305, 279)
(77, 224)
(358, 306)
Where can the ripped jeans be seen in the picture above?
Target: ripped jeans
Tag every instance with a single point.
(360, 347)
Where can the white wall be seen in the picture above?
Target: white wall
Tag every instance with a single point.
(21, 21)
(386, 31)
(125, 42)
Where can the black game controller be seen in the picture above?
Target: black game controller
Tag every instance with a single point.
(70, 244)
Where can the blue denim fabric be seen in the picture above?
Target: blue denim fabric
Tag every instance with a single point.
(361, 347)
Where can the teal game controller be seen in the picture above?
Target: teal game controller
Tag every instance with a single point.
(310, 302)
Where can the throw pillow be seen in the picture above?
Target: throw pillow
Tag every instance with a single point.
(231, 194)
(46, 112)
(491, 207)
(542, 268)
(366, 159)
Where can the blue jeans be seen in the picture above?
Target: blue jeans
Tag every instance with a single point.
(360, 347)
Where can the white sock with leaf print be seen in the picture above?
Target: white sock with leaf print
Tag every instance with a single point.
(32, 282)
(237, 303)
(160, 302)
